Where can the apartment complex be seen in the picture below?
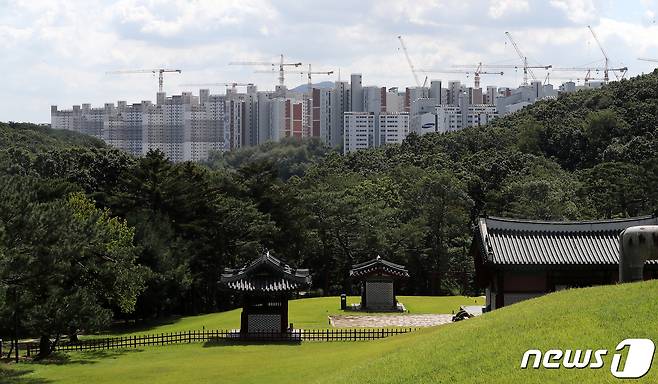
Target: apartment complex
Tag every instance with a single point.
(348, 115)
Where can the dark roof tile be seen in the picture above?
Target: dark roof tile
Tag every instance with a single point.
(530, 242)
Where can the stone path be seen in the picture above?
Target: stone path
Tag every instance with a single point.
(389, 320)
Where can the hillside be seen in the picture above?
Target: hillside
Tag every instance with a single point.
(34, 138)
(591, 154)
(487, 349)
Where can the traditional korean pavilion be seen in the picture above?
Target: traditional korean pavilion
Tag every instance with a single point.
(266, 285)
(377, 278)
(520, 259)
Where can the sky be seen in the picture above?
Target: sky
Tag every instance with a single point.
(58, 52)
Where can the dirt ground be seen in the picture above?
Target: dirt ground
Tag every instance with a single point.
(388, 320)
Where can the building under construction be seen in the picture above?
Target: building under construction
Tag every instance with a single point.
(184, 127)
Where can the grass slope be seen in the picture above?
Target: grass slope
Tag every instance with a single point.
(485, 350)
(304, 313)
(489, 348)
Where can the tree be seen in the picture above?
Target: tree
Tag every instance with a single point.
(69, 262)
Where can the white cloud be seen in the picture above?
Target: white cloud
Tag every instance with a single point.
(500, 8)
(578, 11)
(58, 52)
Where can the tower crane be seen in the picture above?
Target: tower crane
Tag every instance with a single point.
(476, 73)
(590, 70)
(309, 73)
(411, 65)
(280, 64)
(527, 69)
(232, 85)
(159, 71)
(606, 66)
(605, 55)
(480, 66)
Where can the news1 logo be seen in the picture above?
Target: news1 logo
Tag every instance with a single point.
(635, 365)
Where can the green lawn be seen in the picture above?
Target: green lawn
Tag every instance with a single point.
(304, 313)
(487, 349)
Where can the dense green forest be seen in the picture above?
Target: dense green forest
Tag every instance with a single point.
(89, 233)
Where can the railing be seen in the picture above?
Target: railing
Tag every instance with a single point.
(297, 335)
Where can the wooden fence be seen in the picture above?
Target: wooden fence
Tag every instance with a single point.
(337, 334)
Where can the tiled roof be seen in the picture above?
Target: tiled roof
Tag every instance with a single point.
(266, 274)
(378, 265)
(526, 242)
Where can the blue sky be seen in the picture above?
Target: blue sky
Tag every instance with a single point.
(55, 52)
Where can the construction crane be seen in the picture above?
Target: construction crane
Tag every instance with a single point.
(479, 66)
(411, 64)
(232, 85)
(605, 55)
(590, 70)
(159, 71)
(606, 65)
(476, 73)
(586, 79)
(309, 73)
(527, 69)
(280, 64)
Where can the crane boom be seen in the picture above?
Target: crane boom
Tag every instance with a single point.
(476, 73)
(280, 64)
(232, 85)
(526, 68)
(605, 55)
(159, 71)
(309, 73)
(502, 66)
(647, 59)
(411, 65)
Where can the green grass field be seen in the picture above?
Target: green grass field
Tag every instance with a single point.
(303, 313)
(485, 349)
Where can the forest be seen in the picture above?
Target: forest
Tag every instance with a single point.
(89, 234)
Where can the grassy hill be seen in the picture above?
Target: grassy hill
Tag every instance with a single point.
(304, 313)
(486, 349)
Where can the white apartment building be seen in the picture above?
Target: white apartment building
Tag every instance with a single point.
(359, 131)
(180, 126)
(453, 117)
(393, 127)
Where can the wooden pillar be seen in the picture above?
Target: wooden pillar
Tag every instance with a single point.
(244, 316)
(364, 295)
(284, 312)
(500, 290)
(394, 294)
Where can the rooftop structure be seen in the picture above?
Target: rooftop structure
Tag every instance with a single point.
(265, 285)
(520, 259)
(377, 278)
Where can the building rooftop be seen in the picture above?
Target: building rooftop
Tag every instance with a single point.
(517, 242)
(266, 274)
(378, 265)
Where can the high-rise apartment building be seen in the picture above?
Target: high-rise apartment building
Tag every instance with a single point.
(455, 117)
(359, 131)
(356, 93)
(180, 126)
(393, 127)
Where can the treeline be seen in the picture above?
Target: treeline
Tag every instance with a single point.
(172, 228)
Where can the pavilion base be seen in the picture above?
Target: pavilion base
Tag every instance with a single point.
(294, 336)
(357, 308)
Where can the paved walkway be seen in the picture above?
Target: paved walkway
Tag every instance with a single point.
(388, 320)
